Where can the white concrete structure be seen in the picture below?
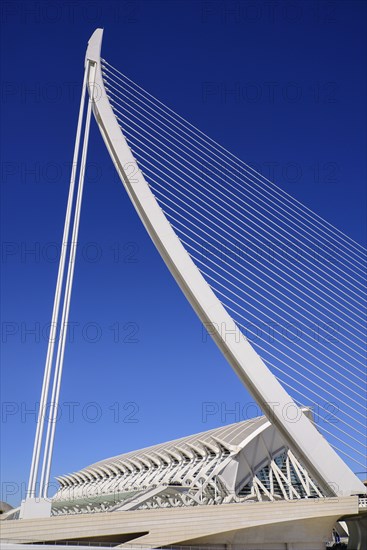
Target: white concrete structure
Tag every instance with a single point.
(308, 445)
(244, 462)
(216, 487)
(304, 524)
(237, 486)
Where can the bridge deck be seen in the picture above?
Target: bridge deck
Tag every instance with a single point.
(308, 520)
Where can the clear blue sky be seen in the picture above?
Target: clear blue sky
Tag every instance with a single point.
(151, 383)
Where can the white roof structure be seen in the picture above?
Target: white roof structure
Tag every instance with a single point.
(245, 461)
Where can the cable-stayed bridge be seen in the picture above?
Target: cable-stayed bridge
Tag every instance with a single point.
(280, 290)
(294, 285)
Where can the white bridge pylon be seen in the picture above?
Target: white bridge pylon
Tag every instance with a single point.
(333, 476)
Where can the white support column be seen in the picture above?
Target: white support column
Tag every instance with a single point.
(31, 492)
(33, 506)
(51, 426)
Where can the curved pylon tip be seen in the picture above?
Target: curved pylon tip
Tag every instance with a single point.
(94, 46)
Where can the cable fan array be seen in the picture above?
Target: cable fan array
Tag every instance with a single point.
(293, 283)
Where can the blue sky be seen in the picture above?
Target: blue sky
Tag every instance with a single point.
(138, 369)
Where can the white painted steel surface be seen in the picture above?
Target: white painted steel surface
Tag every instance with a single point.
(310, 447)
